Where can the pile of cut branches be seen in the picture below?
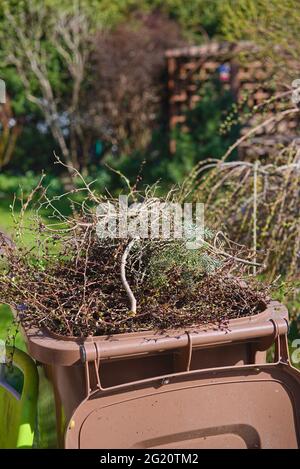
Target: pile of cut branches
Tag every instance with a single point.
(77, 283)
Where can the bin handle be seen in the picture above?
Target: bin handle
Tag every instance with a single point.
(90, 357)
(281, 349)
(189, 351)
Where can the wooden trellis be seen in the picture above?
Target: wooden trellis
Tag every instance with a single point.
(249, 78)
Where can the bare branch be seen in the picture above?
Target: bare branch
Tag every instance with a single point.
(125, 283)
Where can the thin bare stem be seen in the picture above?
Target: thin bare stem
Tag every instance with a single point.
(125, 283)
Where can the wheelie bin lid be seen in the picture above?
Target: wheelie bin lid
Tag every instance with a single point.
(234, 407)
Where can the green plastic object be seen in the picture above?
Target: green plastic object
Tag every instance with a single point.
(18, 409)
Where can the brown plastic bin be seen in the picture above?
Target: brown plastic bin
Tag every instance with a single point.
(114, 391)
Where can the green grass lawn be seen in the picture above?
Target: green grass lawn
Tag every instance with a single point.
(6, 222)
(9, 332)
(7, 328)
(7, 225)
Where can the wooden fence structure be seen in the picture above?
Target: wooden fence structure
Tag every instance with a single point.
(240, 69)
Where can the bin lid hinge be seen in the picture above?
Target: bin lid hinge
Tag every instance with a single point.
(90, 357)
(280, 337)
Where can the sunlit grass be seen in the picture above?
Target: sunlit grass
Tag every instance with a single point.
(8, 225)
(8, 329)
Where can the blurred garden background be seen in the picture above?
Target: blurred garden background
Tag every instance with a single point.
(160, 90)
